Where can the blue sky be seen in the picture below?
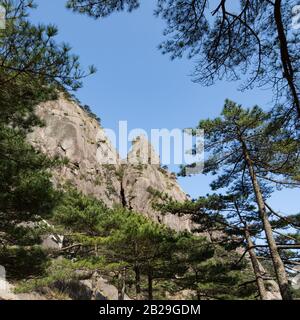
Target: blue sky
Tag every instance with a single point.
(135, 82)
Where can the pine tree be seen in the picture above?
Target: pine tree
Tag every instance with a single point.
(114, 240)
(143, 245)
(210, 256)
(33, 69)
(245, 152)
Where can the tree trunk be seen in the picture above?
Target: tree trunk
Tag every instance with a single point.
(256, 267)
(254, 261)
(150, 285)
(277, 262)
(137, 281)
(285, 56)
(121, 284)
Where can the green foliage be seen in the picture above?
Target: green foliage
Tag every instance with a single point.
(90, 113)
(210, 271)
(59, 270)
(215, 272)
(123, 244)
(152, 256)
(156, 194)
(274, 153)
(23, 262)
(100, 10)
(78, 212)
(296, 294)
(26, 192)
(33, 69)
(249, 156)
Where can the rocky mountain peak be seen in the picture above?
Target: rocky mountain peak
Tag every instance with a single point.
(142, 152)
(94, 167)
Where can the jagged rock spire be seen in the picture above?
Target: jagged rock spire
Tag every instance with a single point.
(142, 152)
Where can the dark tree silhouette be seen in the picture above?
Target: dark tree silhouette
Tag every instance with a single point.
(253, 41)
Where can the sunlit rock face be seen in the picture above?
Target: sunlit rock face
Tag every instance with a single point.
(71, 133)
(94, 167)
(146, 183)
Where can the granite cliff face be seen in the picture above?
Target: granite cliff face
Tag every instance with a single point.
(144, 184)
(71, 133)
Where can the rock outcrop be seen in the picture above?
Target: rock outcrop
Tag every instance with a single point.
(93, 165)
(95, 288)
(70, 133)
(145, 183)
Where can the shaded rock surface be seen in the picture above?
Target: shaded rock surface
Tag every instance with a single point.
(7, 293)
(96, 288)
